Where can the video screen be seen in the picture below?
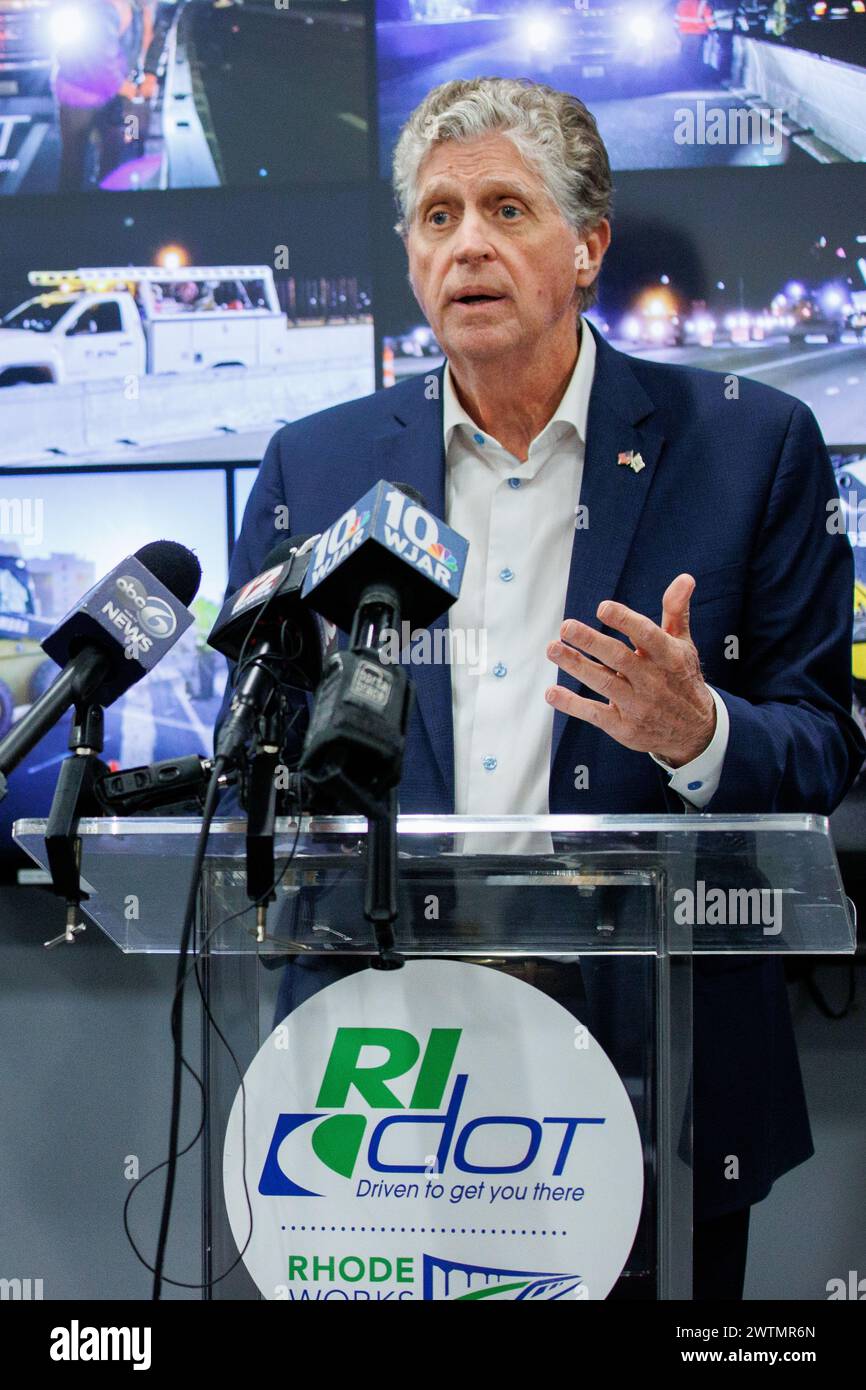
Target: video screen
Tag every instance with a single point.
(778, 295)
(243, 486)
(849, 465)
(128, 95)
(181, 330)
(672, 83)
(59, 534)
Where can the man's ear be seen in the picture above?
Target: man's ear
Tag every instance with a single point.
(405, 240)
(589, 252)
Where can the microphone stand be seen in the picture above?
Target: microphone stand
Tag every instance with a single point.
(379, 610)
(75, 788)
(261, 815)
(380, 899)
(76, 684)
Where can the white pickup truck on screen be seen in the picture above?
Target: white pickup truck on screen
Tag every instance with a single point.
(130, 321)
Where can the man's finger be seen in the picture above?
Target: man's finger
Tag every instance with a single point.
(596, 712)
(675, 605)
(646, 635)
(588, 639)
(602, 679)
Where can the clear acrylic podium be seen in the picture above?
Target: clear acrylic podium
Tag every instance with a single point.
(604, 913)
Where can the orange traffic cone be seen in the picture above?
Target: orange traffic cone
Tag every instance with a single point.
(388, 377)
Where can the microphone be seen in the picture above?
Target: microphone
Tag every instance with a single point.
(167, 783)
(117, 632)
(388, 537)
(406, 565)
(278, 641)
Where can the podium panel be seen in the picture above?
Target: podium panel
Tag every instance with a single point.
(540, 1031)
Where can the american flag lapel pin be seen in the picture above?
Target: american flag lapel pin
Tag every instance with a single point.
(629, 459)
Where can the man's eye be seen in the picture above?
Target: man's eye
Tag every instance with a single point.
(509, 208)
(439, 213)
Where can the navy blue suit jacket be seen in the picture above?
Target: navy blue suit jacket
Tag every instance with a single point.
(735, 492)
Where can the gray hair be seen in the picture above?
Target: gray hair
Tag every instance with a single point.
(554, 132)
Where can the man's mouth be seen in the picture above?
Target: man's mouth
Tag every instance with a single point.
(477, 298)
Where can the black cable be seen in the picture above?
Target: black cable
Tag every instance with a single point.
(237, 1066)
(208, 811)
(243, 660)
(179, 1062)
(819, 999)
(179, 986)
(149, 1174)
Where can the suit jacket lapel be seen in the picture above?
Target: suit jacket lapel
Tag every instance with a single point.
(412, 450)
(613, 495)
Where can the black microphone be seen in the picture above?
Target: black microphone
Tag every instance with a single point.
(117, 632)
(388, 537)
(280, 643)
(407, 566)
(171, 782)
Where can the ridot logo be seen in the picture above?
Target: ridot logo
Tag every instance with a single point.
(433, 1133)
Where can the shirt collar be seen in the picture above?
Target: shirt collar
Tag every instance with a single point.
(572, 410)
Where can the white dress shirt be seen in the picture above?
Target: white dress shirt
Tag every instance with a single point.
(519, 519)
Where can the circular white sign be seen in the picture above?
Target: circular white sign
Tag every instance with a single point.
(443, 1131)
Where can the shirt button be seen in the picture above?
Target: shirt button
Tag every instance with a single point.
(514, 482)
(500, 670)
(479, 438)
(695, 786)
(489, 764)
(506, 575)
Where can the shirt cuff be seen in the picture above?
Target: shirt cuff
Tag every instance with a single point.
(697, 782)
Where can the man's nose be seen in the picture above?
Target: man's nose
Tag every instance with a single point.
(472, 241)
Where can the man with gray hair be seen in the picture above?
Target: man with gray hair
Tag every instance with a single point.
(625, 519)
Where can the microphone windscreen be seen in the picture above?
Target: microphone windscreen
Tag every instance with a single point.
(174, 566)
(413, 494)
(284, 550)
